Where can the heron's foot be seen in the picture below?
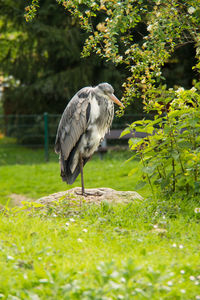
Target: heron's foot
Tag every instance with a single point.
(87, 194)
(84, 194)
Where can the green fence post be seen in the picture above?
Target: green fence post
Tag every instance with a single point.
(46, 137)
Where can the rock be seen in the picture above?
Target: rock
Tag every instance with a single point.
(92, 196)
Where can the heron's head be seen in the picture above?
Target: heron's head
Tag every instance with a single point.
(105, 89)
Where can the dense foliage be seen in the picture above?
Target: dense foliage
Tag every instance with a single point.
(41, 62)
(114, 28)
(170, 154)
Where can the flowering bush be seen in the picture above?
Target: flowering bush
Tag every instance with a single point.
(170, 154)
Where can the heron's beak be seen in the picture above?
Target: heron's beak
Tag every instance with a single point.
(114, 99)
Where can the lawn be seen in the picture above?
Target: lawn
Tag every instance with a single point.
(24, 171)
(144, 250)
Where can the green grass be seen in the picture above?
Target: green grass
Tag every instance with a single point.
(23, 171)
(107, 252)
(144, 250)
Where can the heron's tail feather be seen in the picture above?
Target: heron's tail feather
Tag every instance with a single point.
(70, 167)
(66, 173)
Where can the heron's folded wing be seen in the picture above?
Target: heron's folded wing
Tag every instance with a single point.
(72, 124)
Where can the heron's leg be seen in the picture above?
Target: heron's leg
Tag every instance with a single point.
(81, 169)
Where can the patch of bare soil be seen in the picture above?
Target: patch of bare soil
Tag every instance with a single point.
(92, 196)
(17, 199)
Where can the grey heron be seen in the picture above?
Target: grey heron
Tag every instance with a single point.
(83, 125)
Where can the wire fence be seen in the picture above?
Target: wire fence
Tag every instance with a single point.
(39, 131)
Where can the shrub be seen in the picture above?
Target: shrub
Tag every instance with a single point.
(170, 154)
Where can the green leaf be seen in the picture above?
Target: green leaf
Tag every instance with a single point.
(140, 185)
(133, 171)
(125, 132)
(149, 129)
(131, 158)
(149, 169)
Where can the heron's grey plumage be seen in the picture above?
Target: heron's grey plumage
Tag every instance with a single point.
(83, 125)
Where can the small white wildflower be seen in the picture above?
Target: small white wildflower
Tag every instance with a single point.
(123, 280)
(54, 215)
(170, 283)
(181, 246)
(149, 28)
(114, 285)
(155, 226)
(192, 278)
(191, 10)
(25, 276)
(196, 282)
(174, 245)
(156, 213)
(79, 240)
(114, 274)
(44, 280)
(144, 45)
(9, 257)
(72, 220)
(66, 224)
(183, 291)
(197, 210)
(164, 217)
(85, 230)
(182, 271)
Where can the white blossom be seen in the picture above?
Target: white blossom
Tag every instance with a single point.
(9, 257)
(191, 10)
(150, 27)
(180, 90)
(193, 89)
(72, 220)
